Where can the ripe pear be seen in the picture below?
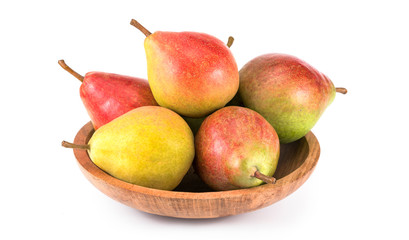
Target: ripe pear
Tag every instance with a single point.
(107, 96)
(150, 146)
(236, 148)
(192, 73)
(288, 92)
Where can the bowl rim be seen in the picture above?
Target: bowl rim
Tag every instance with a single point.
(85, 162)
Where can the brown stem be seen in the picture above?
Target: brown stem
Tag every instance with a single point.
(230, 41)
(341, 90)
(68, 69)
(264, 178)
(72, 145)
(140, 27)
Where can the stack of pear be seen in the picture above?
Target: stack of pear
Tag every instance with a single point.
(232, 122)
(138, 142)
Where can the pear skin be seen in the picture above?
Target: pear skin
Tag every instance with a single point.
(107, 96)
(191, 73)
(194, 74)
(236, 148)
(288, 92)
(150, 146)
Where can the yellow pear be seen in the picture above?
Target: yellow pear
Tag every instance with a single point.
(149, 146)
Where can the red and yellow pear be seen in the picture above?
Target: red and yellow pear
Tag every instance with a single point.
(288, 92)
(236, 148)
(107, 96)
(191, 73)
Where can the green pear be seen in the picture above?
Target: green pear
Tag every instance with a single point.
(288, 92)
(150, 146)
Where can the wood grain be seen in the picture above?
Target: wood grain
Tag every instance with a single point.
(192, 198)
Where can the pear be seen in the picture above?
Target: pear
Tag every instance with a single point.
(288, 92)
(194, 123)
(236, 148)
(150, 146)
(107, 96)
(192, 73)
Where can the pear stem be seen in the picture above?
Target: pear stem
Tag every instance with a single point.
(341, 90)
(68, 69)
(264, 178)
(72, 145)
(230, 41)
(140, 27)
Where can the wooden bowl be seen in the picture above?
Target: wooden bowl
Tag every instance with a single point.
(192, 198)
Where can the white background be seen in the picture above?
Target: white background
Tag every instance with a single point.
(359, 189)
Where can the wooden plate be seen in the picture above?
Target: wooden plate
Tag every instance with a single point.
(192, 198)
